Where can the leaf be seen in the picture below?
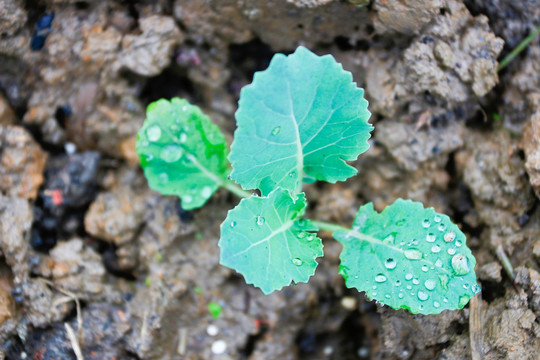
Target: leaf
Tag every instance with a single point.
(263, 239)
(408, 257)
(182, 152)
(304, 114)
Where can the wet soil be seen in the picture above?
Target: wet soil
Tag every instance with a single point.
(86, 245)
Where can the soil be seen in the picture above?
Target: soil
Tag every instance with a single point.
(84, 242)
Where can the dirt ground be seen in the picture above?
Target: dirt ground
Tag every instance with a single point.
(79, 225)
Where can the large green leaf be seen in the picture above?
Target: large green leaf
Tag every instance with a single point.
(182, 152)
(264, 239)
(408, 257)
(302, 115)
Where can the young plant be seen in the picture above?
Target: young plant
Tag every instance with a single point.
(300, 121)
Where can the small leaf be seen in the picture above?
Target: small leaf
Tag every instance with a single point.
(182, 152)
(304, 114)
(263, 239)
(408, 257)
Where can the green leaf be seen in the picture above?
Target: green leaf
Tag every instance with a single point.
(408, 257)
(264, 239)
(182, 152)
(304, 114)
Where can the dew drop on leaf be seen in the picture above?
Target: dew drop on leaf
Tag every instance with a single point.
(437, 218)
(460, 264)
(164, 177)
(187, 198)
(408, 276)
(415, 281)
(400, 295)
(300, 234)
(451, 251)
(390, 263)
(435, 249)
(206, 191)
(449, 236)
(297, 261)
(423, 296)
(260, 220)
(413, 254)
(153, 133)
(171, 153)
(389, 239)
(442, 227)
(233, 223)
(429, 284)
(438, 263)
(182, 138)
(276, 130)
(426, 223)
(424, 268)
(398, 283)
(430, 237)
(149, 157)
(476, 288)
(443, 279)
(380, 278)
(310, 237)
(436, 304)
(463, 300)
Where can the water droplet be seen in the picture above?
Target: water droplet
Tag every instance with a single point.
(437, 218)
(430, 237)
(466, 286)
(460, 264)
(436, 304)
(374, 287)
(400, 222)
(184, 108)
(163, 177)
(389, 239)
(409, 287)
(438, 263)
(413, 254)
(429, 284)
(449, 236)
(398, 283)
(435, 249)
(206, 191)
(421, 307)
(426, 223)
(153, 133)
(387, 296)
(400, 295)
(380, 278)
(374, 293)
(260, 220)
(292, 174)
(182, 138)
(187, 198)
(144, 143)
(451, 251)
(442, 227)
(297, 261)
(300, 234)
(408, 276)
(422, 296)
(458, 243)
(424, 268)
(276, 130)
(463, 300)
(390, 263)
(310, 237)
(476, 288)
(149, 157)
(233, 223)
(415, 281)
(171, 153)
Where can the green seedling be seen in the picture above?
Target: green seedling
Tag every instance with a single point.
(300, 121)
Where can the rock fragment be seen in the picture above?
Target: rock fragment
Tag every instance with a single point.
(21, 163)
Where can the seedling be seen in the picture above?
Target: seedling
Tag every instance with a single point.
(300, 121)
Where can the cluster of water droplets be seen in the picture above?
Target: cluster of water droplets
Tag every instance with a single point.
(441, 240)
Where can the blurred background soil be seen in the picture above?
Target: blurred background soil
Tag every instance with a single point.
(78, 223)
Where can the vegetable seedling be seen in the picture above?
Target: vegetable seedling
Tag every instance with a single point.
(300, 121)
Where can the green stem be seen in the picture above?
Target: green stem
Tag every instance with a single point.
(329, 226)
(519, 48)
(235, 189)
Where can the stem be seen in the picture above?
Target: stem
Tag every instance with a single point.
(329, 226)
(519, 48)
(235, 189)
